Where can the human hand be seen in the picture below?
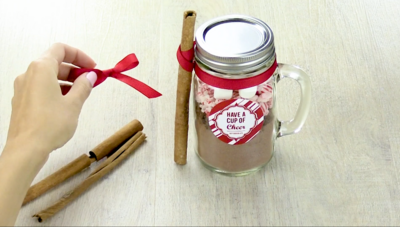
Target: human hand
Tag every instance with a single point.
(41, 116)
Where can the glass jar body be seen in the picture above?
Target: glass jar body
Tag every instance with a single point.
(235, 160)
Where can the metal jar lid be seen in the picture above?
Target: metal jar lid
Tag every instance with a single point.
(234, 44)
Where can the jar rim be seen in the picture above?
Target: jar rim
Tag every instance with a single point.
(234, 43)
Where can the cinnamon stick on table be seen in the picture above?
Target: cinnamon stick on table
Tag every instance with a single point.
(100, 171)
(74, 167)
(104, 148)
(183, 92)
(83, 161)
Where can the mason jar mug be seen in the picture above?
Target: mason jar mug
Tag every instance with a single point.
(234, 88)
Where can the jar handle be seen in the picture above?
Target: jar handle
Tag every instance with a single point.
(295, 73)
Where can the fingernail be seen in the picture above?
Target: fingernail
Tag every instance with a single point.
(92, 77)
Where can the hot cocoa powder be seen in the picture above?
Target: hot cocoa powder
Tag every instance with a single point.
(235, 158)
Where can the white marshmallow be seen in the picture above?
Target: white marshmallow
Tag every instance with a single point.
(222, 93)
(248, 92)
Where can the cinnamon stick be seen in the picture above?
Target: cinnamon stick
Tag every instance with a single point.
(183, 92)
(121, 150)
(102, 170)
(84, 161)
(104, 148)
(74, 167)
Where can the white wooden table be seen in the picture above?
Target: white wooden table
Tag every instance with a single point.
(342, 169)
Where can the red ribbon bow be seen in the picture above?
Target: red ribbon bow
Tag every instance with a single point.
(129, 62)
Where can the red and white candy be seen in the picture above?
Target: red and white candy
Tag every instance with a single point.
(208, 96)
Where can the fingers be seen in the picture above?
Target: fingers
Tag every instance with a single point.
(81, 89)
(64, 53)
(63, 71)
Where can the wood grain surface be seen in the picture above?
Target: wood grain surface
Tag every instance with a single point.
(341, 169)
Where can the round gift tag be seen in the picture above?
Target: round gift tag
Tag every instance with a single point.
(236, 121)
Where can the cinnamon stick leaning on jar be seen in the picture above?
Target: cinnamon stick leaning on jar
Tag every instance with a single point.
(183, 92)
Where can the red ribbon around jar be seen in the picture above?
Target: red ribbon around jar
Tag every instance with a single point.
(127, 63)
(186, 60)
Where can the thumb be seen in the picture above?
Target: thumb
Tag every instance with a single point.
(81, 88)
